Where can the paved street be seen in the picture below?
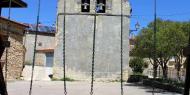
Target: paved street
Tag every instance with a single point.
(79, 88)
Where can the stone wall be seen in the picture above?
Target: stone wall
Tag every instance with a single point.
(16, 53)
(47, 42)
(79, 38)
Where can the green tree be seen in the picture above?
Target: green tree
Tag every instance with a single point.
(169, 42)
(137, 65)
(144, 46)
(180, 38)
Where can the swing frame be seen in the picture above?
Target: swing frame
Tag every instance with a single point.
(95, 14)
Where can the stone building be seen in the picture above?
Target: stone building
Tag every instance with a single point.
(79, 25)
(16, 51)
(44, 53)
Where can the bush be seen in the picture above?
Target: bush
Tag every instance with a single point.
(166, 84)
(137, 65)
(136, 78)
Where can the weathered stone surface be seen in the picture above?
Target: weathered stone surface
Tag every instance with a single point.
(79, 42)
(15, 57)
(16, 51)
(46, 41)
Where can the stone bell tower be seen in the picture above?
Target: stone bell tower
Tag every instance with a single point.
(76, 19)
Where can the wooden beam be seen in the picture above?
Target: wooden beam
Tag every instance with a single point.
(14, 4)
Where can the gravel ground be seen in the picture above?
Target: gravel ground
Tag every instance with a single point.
(79, 88)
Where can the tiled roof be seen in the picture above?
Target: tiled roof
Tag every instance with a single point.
(42, 28)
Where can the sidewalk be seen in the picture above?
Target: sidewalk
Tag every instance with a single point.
(79, 88)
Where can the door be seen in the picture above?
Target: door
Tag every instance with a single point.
(49, 65)
(49, 59)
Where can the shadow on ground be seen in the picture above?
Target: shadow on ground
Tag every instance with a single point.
(149, 89)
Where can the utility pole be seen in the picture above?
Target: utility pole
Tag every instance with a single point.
(186, 52)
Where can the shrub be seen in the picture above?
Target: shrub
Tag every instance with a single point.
(137, 65)
(136, 78)
(166, 84)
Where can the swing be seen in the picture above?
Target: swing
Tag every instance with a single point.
(93, 51)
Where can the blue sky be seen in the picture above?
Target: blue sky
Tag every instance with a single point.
(28, 15)
(143, 12)
(178, 10)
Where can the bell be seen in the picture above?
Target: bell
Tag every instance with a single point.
(85, 5)
(101, 5)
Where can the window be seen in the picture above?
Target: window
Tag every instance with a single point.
(85, 6)
(101, 6)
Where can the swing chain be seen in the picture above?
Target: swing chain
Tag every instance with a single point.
(64, 63)
(93, 57)
(93, 52)
(35, 46)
